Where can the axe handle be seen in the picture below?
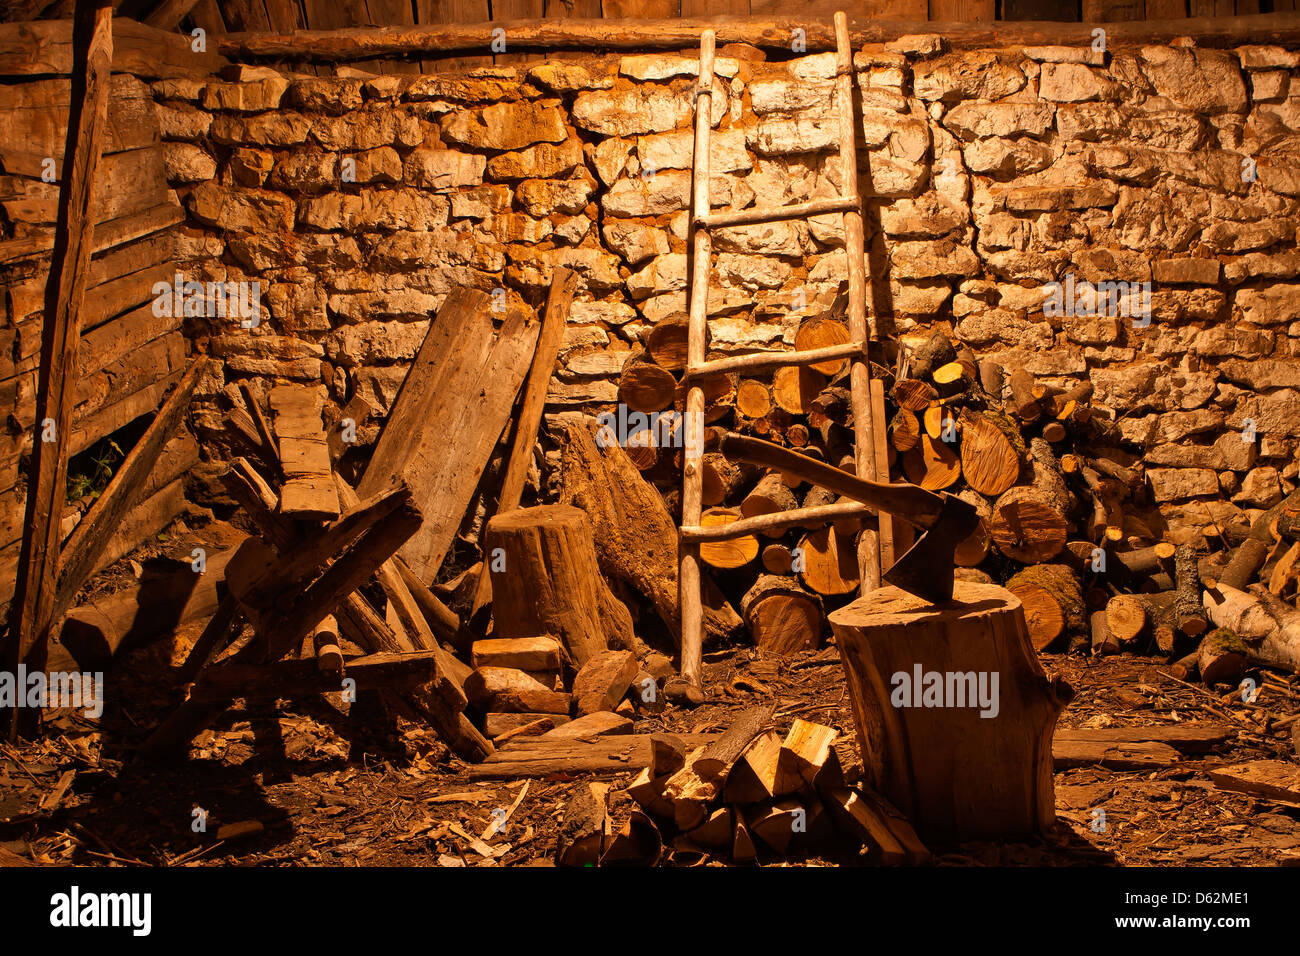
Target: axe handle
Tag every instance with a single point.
(912, 503)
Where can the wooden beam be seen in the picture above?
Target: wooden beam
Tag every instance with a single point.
(361, 43)
(88, 540)
(31, 612)
(524, 437)
(169, 14)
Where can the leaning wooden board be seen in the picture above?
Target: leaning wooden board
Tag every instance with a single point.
(309, 490)
(450, 413)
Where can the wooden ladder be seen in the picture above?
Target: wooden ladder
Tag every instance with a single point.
(875, 548)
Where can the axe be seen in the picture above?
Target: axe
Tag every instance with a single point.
(926, 570)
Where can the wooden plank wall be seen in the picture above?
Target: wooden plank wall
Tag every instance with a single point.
(282, 15)
(128, 356)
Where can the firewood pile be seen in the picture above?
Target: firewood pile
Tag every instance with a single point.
(747, 795)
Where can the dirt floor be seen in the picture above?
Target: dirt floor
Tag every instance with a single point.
(318, 787)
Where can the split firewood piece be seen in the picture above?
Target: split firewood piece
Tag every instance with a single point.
(545, 579)
(914, 850)
(782, 617)
(589, 726)
(1104, 641)
(992, 378)
(509, 689)
(805, 751)
(635, 536)
(1285, 570)
(645, 386)
(299, 678)
(690, 794)
(647, 789)
(522, 653)
(636, 843)
(823, 332)
(990, 461)
(603, 681)
(1188, 614)
(953, 378)
(742, 844)
(1126, 616)
(1023, 404)
(933, 464)
(753, 400)
(777, 824)
(770, 496)
(904, 430)
(1221, 657)
(1029, 521)
(497, 725)
(308, 490)
(862, 820)
(830, 562)
(668, 753)
(936, 419)
(716, 832)
(1053, 602)
(1270, 627)
(752, 777)
(533, 728)
(717, 759)
(667, 341)
(726, 554)
(975, 547)
(1061, 404)
(795, 386)
(584, 827)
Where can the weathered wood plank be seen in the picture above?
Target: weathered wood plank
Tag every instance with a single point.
(525, 757)
(45, 47)
(30, 614)
(308, 490)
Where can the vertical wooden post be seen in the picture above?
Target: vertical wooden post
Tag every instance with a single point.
(688, 584)
(33, 602)
(860, 372)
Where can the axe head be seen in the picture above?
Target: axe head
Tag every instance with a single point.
(926, 570)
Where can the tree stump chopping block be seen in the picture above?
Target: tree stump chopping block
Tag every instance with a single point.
(545, 579)
(954, 713)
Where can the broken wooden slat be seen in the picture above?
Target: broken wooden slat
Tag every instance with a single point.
(90, 57)
(606, 755)
(531, 405)
(83, 548)
(308, 490)
(1133, 748)
(1276, 780)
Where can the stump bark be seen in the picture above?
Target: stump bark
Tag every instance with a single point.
(957, 775)
(545, 579)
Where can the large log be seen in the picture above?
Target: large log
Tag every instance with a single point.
(636, 540)
(1270, 628)
(545, 579)
(1029, 521)
(961, 759)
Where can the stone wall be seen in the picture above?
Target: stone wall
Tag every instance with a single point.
(357, 201)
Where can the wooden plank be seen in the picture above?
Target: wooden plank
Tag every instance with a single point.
(1112, 11)
(206, 15)
(1040, 10)
(646, 9)
(45, 47)
(963, 11)
(623, 753)
(109, 419)
(168, 14)
(506, 12)
(1276, 780)
(284, 15)
(308, 490)
(1190, 738)
(33, 120)
(132, 182)
(82, 552)
(108, 235)
(452, 12)
(531, 405)
(30, 613)
(358, 44)
(245, 15)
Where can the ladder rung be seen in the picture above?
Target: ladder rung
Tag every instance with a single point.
(762, 360)
(800, 210)
(777, 519)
